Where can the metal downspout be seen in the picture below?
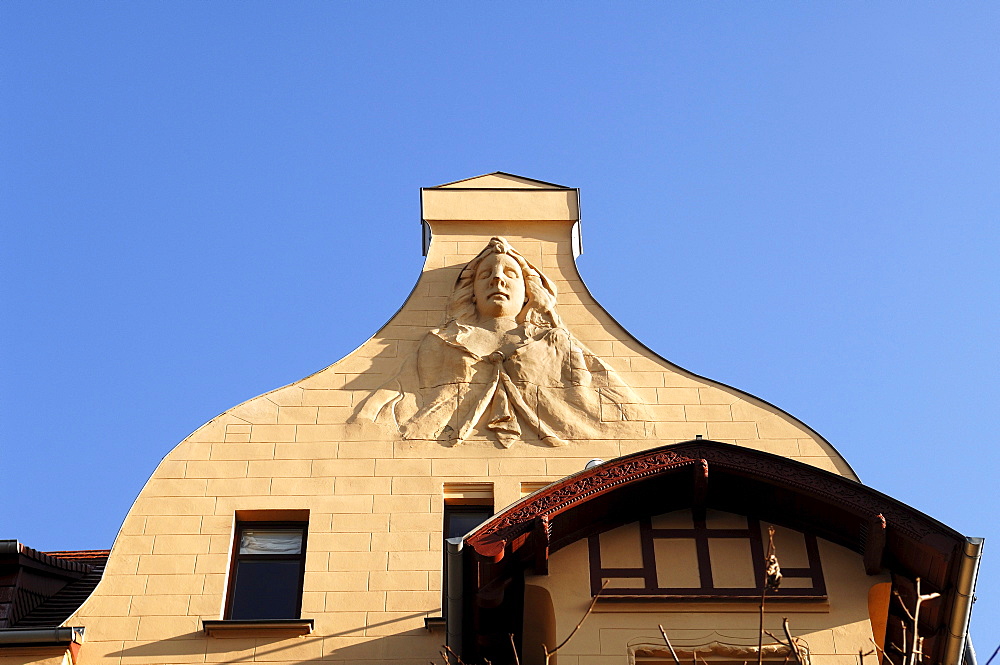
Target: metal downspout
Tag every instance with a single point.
(41, 636)
(453, 595)
(965, 587)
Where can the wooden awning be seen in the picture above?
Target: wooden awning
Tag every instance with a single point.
(698, 475)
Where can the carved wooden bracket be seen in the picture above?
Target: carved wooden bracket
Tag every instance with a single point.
(874, 544)
(543, 534)
(700, 489)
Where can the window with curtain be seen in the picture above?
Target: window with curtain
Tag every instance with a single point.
(267, 571)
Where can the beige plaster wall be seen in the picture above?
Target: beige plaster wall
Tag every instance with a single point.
(36, 656)
(835, 631)
(375, 500)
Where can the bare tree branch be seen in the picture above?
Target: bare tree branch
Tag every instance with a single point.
(673, 653)
(791, 641)
(458, 660)
(760, 636)
(877, 647)
(902, 604)
(778, 640)
(770, 561)
(995, 652)
(774, 637)
(549, 654)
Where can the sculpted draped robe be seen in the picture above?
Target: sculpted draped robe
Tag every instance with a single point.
(550, 382)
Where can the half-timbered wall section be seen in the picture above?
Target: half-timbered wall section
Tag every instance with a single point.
(713, 556)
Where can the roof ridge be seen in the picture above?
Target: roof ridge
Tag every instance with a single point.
(503, 173)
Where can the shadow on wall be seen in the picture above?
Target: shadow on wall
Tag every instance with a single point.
(417, 645)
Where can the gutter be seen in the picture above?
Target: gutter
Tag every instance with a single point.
(454, 594)
(965, 587)
(41, 637)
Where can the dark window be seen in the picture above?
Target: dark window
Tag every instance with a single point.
(460, 519)
(267, 570)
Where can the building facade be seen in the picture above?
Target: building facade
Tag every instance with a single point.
(497, 462)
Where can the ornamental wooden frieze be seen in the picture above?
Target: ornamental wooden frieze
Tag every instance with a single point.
(562, 495)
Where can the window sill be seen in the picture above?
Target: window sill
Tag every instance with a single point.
(430, 623)
(258, 628)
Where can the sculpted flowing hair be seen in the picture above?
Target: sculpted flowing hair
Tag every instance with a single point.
(539, 309)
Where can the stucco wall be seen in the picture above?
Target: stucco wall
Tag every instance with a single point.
(36, 656)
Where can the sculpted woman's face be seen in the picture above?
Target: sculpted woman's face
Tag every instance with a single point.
(499, 287)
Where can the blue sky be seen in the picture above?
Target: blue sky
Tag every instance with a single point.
(200, 202)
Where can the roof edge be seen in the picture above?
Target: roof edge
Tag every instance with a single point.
(500, 173)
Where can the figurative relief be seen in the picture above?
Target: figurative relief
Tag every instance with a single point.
(503, 360)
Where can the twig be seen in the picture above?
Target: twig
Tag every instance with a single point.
(458, 660)
(549, 654)
(774, 637)
(795, 649)
(673, 653)
(902, 604)
(790, 647)
(913, 647)
(918, 642)
(763, 594)
(513, 647)
(579, 623)
(995, 652)
(791, 641)
(906, 654)
(877, 647)
(760, 636)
